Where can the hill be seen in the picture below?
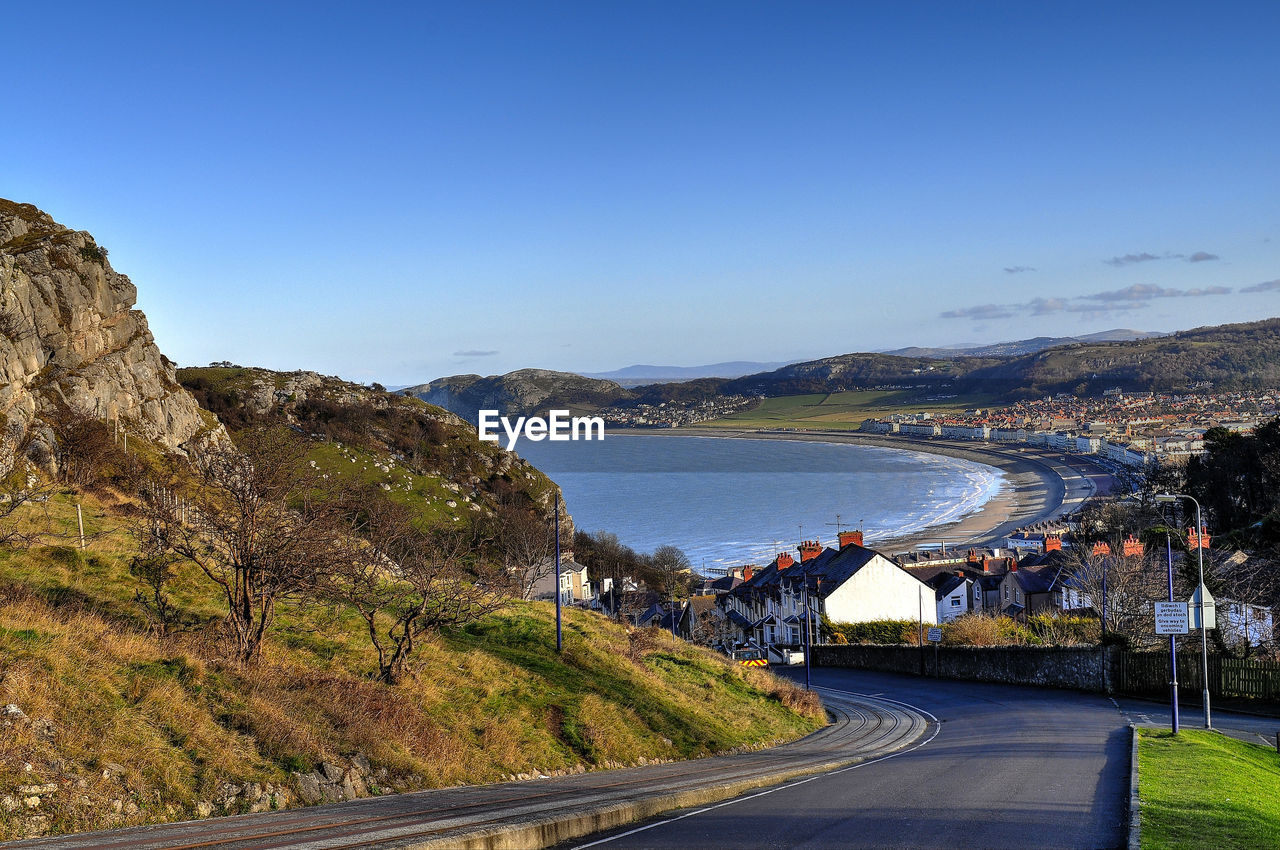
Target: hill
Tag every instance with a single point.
(1022, 346)
(1226, 357)
(640, 375)
(519, 393)
(419, 455)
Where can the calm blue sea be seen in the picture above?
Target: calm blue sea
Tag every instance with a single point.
(737, 501)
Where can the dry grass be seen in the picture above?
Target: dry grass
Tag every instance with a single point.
(482, 703)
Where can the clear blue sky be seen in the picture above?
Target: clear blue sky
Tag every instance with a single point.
(400, 192)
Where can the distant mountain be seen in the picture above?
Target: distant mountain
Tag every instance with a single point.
(639, 375)
(1022, 346)
(519, 393)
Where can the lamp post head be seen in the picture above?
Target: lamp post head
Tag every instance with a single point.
(1165, 497)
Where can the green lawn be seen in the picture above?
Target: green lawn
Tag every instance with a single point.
(1205, 790)
(843, 411)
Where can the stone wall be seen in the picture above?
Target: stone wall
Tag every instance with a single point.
(1082, 668)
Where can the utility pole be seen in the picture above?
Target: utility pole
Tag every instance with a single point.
(80, 521)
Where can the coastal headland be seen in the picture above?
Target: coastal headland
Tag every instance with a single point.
(1038, 484)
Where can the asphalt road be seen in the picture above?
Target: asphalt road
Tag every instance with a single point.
(1011, 767)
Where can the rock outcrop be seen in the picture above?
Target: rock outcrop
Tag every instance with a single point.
(69, 338)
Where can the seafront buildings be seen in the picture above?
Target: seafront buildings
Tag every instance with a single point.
(1129, 429)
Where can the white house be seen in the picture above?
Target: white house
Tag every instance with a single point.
(574, 585)
(851, 584)
(954, 598)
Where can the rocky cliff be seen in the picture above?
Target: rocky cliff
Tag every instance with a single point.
(69, 338)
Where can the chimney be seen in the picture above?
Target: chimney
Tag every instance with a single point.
(747, 572)
(1101, 548)
(1053, 543)
(973, 556)
(850, 538)
(1013, 564)
(1198, 539)
(986, 564)
(962, 574)
(785, 560)
(809, 550)
(1132, 545)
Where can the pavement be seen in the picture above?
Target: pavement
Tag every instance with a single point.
(538, 813)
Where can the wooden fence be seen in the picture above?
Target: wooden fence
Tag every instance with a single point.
(1148, 673)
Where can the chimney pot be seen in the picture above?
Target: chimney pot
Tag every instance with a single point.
(850, 538)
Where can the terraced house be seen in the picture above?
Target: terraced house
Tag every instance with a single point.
(850, 584)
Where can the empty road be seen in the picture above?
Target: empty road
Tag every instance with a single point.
(1011, 767)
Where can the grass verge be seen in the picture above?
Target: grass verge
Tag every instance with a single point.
(1205, 790)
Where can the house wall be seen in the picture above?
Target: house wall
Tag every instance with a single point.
(881, 591)
(947, 611)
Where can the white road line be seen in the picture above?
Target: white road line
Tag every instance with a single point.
(937, 729)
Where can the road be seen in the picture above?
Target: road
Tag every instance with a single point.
(1012, 767)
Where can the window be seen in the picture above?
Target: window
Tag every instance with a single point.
(955, 602)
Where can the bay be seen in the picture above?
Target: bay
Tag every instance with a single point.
(727, 502)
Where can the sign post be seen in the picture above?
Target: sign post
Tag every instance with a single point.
(1171, 618)
(935, 637)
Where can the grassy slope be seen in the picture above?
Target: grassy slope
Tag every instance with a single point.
(841, 411)
(486, 701)
(1205, 790)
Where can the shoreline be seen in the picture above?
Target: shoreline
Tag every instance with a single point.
(1038, 484)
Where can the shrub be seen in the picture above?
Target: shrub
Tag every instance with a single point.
(876, 631)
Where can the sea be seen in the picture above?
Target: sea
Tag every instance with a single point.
(734, 501)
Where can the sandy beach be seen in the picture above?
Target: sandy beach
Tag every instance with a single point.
(1038, 484)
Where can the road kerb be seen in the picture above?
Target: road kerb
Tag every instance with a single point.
(538, 833)
(1135, 820)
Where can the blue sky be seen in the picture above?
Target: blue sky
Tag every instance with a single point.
(401, 192)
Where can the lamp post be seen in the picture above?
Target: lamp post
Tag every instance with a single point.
(1173, 640)
(808, 642)
(1204, 626)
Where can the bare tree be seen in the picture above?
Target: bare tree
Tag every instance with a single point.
(20, 493)
(673, 571)
(405, 583)
(262, 527)
(523, 541)
(85, 445)
(711, 627)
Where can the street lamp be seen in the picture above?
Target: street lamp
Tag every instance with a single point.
(1204, 626)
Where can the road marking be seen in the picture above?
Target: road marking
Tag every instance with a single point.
(936, 730)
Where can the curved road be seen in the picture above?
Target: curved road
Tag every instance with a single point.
(538, 812)
(1012, 767)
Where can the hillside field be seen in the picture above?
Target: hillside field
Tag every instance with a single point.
(843, 411)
